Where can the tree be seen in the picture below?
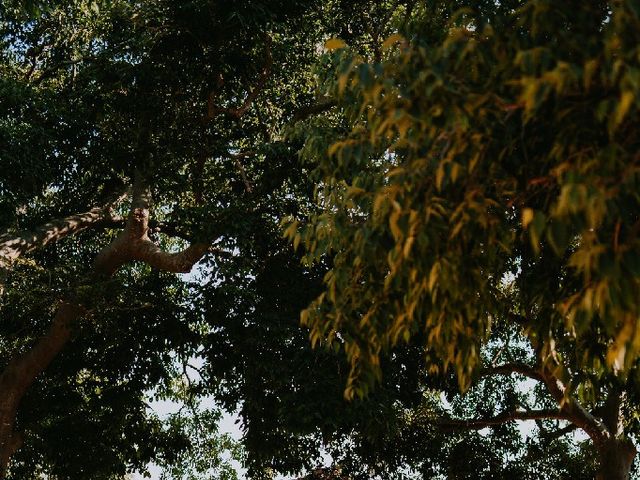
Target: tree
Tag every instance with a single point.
(163, 135)
(488, 180)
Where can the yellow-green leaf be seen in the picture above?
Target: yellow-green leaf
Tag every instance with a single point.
(527, 217)
(623, 106)
(334, 44)
(392, 40)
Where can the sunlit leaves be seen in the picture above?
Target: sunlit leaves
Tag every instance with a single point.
(497, 154)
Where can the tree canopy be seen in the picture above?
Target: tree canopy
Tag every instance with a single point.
(447, 191)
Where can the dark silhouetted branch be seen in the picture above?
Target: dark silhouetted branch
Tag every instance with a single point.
(480, 423)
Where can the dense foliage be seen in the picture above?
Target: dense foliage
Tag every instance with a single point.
(505, 155)
(198, 97)
(488, 176)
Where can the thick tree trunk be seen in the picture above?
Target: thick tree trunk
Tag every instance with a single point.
(10, 441)
(21, 372)
(616, 457)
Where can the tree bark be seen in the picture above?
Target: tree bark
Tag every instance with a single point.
(22, 371)
(616, 457)
(616, 454)
(14, 245)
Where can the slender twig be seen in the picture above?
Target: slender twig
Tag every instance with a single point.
(549, 436)
(243, 173)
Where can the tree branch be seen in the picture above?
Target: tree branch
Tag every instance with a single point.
(22, 371)
(610, 411)
(569, 406)
(575, 412)
(550, 436)
(264, 75)
(168, 228)
(138, 219)
(133, 243)
(12, 246)
(243, 173)
(180, 262)
(480, 423)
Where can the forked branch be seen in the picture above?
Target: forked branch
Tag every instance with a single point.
(134, 243)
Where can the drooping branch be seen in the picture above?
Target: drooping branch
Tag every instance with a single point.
(480, 423)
